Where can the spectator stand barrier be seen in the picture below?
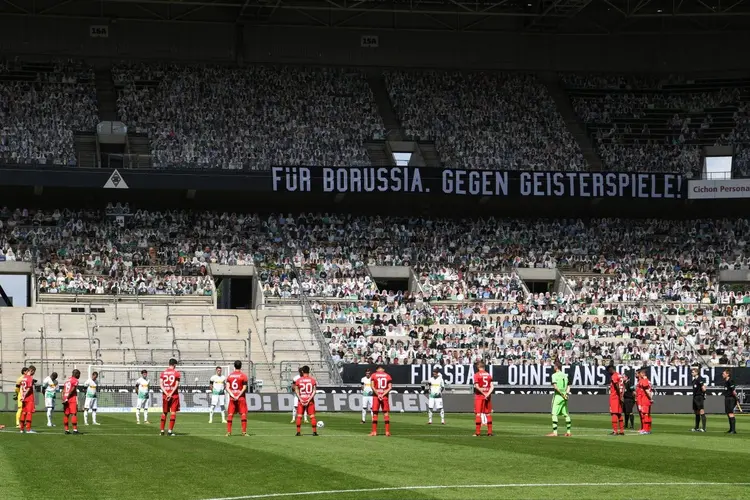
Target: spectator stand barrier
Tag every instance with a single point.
(153, 356)
(203, 318)
(45, 343)
(147, 328)
(58, 315)
(280, 316)
(323, 346)
(288, 341)
(215, 342)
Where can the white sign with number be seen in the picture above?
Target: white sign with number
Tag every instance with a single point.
(99, 31)
(370, 41)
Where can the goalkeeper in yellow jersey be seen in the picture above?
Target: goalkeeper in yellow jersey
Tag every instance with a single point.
(18, 396)
(560, 399)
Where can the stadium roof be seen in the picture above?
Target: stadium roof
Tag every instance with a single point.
(522, 16)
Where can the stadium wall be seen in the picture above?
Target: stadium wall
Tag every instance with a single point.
(206, 42)
(351, 402)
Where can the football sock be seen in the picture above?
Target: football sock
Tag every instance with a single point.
(230, 417)
(429, 415)
(49, 415)
(388, 425)
(172, 418)
(614, 422)
(85, 416)
(442, 415)
(489, 424)
(163, 420)
(18, 416)
(28, 421)
(567, 424)
(314, 423)
(221, 412)
(703, 421)
(211, 414)
(74, 421)
(23, 421)
(138, 415)
(364, 414)
(478, 422)
(299, 423)
(65, 422)
(244, 423)
(93, 415)
(697, 421)
(733, 424)
(294, 413)
(621, 422)
(554, 424)
(375, 422)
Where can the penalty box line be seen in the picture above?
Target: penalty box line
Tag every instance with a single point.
(474, 486)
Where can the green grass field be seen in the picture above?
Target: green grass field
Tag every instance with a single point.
(122, 460)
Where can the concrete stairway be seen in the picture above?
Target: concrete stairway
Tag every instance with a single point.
(574, 124)
(394, 132)
(106, 95)
(430, 154)
(87, 149)
(379, 154)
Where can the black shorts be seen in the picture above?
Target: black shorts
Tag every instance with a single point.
(628, 405)
(730, 404)
(698, 403)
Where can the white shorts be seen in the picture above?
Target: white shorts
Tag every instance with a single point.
(217, 400)
(142, 403)
(90, 404)
(367, 402)
(49, 402)
(435, 403)
(296, 403)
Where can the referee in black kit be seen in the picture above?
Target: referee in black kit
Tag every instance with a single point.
(730, 400)
(699, 398)
(628, 401)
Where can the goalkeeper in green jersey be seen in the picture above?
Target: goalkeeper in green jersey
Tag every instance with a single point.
(560, 399)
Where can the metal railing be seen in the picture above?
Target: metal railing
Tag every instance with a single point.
(288, 369)
(148, 328)
(59, 327)
(218, 342)
(279, 316)
(325, 351)
(149, 355)
(203, 318)
(274, 350)
(45, 343)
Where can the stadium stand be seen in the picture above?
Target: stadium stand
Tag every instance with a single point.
(630, 290)
(484, 120)
(42, 105)
(644, 124)
(253, 117)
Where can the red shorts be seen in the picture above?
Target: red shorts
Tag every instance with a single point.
(644, 407)
(309, 407)
(237, 406)
(482, 404)
(28, 406)
(172, 405)
(71, 407)
(383, 405)
(615, 405)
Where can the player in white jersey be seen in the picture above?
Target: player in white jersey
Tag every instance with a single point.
(296, 399)
(435, 402)
(90, 405)
(217, 384)
(367, 393)
(50, 386)
(142, 389)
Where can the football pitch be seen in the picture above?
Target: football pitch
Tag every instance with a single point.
(122, 460)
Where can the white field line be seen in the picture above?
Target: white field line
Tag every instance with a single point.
(474, 486)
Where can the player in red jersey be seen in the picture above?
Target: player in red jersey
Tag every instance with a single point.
(616, 395)
(304, 388)
(70, 402)
(169, 381)
(644, 396)
(236, 386)
(382, 385)
(483, 388)
(26, 393)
